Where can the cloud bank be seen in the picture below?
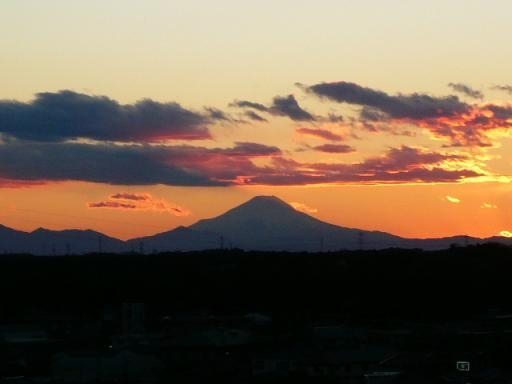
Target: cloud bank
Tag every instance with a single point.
(68, 115)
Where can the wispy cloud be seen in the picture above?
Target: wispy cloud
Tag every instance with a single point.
(303, 207)
(452, 199)
(281, 106)
(466, 90)
(505, 88)
(334, 148)
(288, 106)
(320, 133)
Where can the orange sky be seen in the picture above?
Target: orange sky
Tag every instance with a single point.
(407, 210)
(364, 115)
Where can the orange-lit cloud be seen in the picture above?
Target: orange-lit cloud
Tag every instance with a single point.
(447, 117)
(471, 128)
(397, 165)
(140, 202)
(303, 207)
(98, 148)
(488, 206)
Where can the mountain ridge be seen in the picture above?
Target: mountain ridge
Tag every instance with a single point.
(264, 223)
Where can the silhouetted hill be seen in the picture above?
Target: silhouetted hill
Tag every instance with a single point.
(179, 239)
(47, 242)
(264, 223)
(74, 241)
(12, 241)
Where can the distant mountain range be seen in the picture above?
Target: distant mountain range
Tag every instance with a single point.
(263, 223)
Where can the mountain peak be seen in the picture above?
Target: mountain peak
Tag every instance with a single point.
(40, 230)
(269, 200)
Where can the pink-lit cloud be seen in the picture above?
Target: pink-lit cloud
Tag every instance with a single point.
(397, 165)
(140, 202)
(447, 117)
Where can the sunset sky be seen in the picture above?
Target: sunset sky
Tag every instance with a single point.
(134, 117)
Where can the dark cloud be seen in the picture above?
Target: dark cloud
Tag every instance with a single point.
(69, 115)
(372, 114)
(321, 133)
(448, 118)
(10, 183)
(434, 175)
(334, 148)
(288, 106)
(106, 163)
(130, 196)
(217, 114)
(412, 106)
(199, 166)
(129, 164)
(466, 90)
(504, 88)
(398, 165)
(407, 158)
(254, 116)
(111, 204)
(500, 112)
(281, 106)
(249, 104)
(247, 149)
(334, 118)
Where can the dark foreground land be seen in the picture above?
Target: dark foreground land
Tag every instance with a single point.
(403, 316)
